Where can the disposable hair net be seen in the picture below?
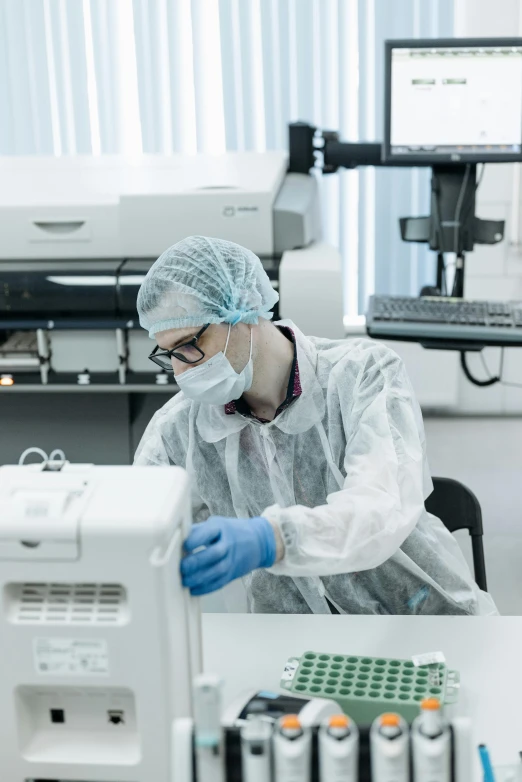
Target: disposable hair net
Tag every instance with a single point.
(203, 280)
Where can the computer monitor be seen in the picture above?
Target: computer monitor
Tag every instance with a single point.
(453, 101)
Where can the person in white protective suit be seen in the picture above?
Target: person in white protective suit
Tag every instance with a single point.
(307, 456)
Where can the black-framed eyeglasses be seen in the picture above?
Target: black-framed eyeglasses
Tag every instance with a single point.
(189, 352)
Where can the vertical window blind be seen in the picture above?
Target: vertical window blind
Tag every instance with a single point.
(162, 76)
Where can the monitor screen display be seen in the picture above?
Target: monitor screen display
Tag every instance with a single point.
(454, 102)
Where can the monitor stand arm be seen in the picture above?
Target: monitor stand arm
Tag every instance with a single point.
(451, 225)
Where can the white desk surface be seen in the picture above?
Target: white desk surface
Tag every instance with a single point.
(249, 650)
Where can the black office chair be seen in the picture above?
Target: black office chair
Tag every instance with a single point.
(458, 508)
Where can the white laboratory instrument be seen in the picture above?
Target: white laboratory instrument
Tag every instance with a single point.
(389, 749)
(338, 750)
(80, 233)
(101, 652)
(99, 641)
(208, 733)
(431, 744)
(256, 750)
(292, 743)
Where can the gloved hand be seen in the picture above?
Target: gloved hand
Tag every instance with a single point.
(233, 548)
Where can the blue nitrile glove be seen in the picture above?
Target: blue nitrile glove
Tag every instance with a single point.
(233, 548)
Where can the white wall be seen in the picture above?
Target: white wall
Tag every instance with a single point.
(495, 272)
(486, 18)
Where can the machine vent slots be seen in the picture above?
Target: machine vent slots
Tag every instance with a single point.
(78, 604)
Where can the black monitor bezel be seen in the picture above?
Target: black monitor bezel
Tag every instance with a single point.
(427, 159)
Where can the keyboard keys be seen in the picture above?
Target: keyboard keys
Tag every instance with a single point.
(463, 313)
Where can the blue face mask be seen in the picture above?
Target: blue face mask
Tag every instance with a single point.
(216, 382)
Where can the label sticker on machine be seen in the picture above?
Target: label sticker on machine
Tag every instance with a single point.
(240, 211)
(71, 656)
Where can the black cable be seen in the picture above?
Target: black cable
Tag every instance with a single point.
(456, 275)
(440, 232)
(470, 202)
(438, 227)
(492, 379)
(458, 208)
(459, 270)
(481, 383)
(479, 180)
(444, 290)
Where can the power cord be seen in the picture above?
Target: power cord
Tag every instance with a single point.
(440, 236)
(491, 380)
(56, 455)
(440, 233)
(459, 264)
(460, 201)
(477, 185)
(476, 382)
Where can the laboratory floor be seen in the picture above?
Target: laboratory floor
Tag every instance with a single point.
(486, 455)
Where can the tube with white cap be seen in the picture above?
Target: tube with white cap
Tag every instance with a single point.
(256, 750)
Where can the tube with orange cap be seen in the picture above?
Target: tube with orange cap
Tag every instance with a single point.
(338, 749)
(390, 749)
(292, 744)
(431, 744)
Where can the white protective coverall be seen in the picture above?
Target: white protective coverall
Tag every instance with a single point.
(343, 474)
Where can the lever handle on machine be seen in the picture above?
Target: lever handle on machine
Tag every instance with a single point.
(73, 230)
(59, 227)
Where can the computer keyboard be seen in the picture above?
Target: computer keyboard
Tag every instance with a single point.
(444, 319)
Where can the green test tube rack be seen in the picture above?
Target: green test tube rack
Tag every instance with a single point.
(365, 687)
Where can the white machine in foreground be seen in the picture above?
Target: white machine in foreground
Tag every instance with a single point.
(99, 641)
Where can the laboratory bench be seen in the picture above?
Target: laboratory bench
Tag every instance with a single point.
(250, 651)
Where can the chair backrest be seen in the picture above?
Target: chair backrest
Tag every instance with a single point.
(458, 508)
(455, 505)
